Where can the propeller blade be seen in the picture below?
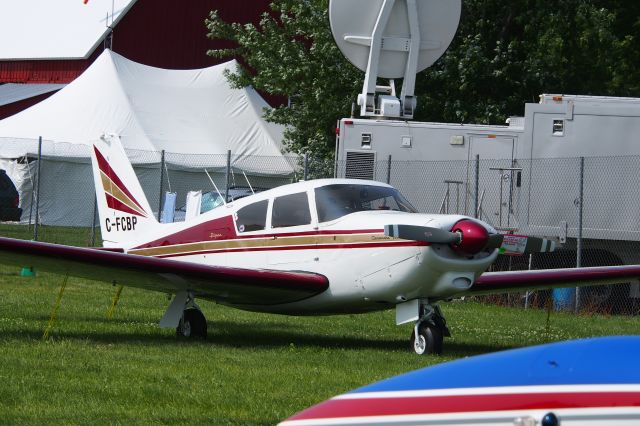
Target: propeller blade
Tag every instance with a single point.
(422, 233)
(495, 241)
(520, 244)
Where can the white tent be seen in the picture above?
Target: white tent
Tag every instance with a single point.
(41, 29)
(152, 109)
(192, 115)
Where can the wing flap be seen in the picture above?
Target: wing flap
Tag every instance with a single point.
(500, 282)
(233, 286)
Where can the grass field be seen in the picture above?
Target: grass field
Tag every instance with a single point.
(254, 369)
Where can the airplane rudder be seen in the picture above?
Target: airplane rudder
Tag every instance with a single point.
(123, 207)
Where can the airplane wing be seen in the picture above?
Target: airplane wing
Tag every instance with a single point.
(235, 286)
(500, 282)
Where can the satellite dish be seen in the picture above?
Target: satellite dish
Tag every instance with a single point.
(353, 22)
(392, 39)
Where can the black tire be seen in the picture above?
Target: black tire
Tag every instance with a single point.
(193, 325)
(429, 340)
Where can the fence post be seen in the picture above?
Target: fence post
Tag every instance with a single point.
(305, 172)
(35, 228)
(477, 188)
(161, 184)
(93, 220)
(228, 176)
(580, 225)
(389, 170)
(528, 293)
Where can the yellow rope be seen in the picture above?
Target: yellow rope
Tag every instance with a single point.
(54, 311)
(116, 298)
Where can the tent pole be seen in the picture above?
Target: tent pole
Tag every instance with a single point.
(161, 182)
(226, 191)
(35, 229)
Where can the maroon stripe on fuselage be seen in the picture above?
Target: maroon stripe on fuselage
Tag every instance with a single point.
(223, 228)
(299, 247)
(213, 230)
(105, 168)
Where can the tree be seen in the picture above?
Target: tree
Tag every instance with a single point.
(291, 53)
(505, 53)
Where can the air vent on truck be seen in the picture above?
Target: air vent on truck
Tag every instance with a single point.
(360, 165)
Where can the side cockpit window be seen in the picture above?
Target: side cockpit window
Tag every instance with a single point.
(291, 210)
(252, 217)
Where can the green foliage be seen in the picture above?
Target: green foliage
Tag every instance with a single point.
(507, 53)
(504, 54)
(295, 56)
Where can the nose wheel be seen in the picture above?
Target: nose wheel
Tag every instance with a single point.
(429, 332)
(428, 339)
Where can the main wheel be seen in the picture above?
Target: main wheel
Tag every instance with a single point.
(428, 340)
(193, 324)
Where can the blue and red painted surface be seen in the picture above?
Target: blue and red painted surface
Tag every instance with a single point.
(599, 373)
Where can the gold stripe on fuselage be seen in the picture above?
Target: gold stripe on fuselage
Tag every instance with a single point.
(306, 241)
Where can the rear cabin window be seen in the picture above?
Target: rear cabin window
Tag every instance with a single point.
(252, 217)
(291, 210)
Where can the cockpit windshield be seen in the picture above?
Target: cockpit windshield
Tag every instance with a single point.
(334, 201)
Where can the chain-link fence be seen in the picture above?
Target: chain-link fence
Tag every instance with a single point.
(590, 205)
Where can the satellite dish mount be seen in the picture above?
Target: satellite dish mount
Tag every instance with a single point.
(392, 39)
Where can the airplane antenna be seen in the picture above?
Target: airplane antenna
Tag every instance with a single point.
(249, 183)
(215, 186)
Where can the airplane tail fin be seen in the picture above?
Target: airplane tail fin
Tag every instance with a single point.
(125, 213)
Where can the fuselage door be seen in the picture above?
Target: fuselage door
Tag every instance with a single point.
(293, 236)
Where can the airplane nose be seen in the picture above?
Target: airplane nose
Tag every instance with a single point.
(474, 237)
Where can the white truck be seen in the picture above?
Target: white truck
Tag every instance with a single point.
(529, 175)
(529, 169)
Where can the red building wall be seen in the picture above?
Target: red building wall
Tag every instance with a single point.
(161, 33)
(16, 107)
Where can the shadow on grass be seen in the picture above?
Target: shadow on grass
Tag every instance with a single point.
(459, 350)
(239, 335)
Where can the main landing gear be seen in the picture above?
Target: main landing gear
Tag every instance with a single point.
(429, 331)
(193, 324)
(185, 316)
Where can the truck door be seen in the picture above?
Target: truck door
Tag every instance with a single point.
(499, 179)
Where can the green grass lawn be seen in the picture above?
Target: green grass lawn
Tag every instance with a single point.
(254, 369)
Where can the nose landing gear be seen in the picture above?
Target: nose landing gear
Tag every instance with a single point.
(429, 331)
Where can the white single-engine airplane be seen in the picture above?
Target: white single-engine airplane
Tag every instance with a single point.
(330, 246)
